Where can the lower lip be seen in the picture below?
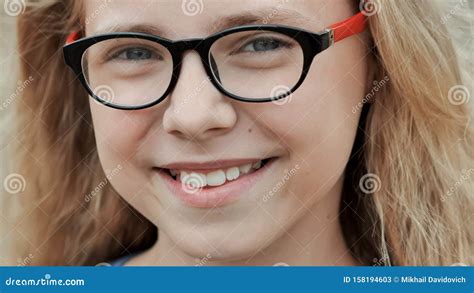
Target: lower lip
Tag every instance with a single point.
(209, 197)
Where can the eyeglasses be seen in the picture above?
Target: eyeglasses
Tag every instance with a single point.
(251, 63)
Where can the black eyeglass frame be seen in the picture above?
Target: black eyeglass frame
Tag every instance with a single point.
(311, 44)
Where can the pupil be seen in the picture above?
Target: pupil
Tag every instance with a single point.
(265, 45)
(138, 54)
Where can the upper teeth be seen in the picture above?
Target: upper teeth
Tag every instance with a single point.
(216, 177)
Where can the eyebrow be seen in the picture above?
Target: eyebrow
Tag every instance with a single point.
(263, 16)
(137, 28)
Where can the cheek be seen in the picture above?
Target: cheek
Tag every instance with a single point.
(119, 135)
(319, 139)
(117, 131)
(317, 124)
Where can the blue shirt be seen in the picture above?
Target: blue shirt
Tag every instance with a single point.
(121, 260)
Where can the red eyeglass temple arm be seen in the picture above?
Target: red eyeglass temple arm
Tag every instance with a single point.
(351, 26)
(74, 36)
(340, 30)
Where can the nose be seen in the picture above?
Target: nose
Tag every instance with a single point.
(197, 111)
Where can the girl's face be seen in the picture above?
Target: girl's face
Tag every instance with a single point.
(232, 204)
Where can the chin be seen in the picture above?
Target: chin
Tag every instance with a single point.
(245, 241)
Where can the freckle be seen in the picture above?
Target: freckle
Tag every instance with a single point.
(250, 129)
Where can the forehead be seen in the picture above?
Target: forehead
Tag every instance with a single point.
(197, 18)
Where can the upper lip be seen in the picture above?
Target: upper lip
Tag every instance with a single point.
(202, 166)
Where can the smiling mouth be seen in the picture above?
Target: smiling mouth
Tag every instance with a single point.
(214, 177)
(214, 184)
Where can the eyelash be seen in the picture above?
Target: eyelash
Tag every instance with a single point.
(118, 52)
(281, 43)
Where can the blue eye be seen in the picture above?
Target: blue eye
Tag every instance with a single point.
(264, 45)
(136, 54)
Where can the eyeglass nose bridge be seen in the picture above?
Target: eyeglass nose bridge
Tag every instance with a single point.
(196, 44)
(202, 47)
